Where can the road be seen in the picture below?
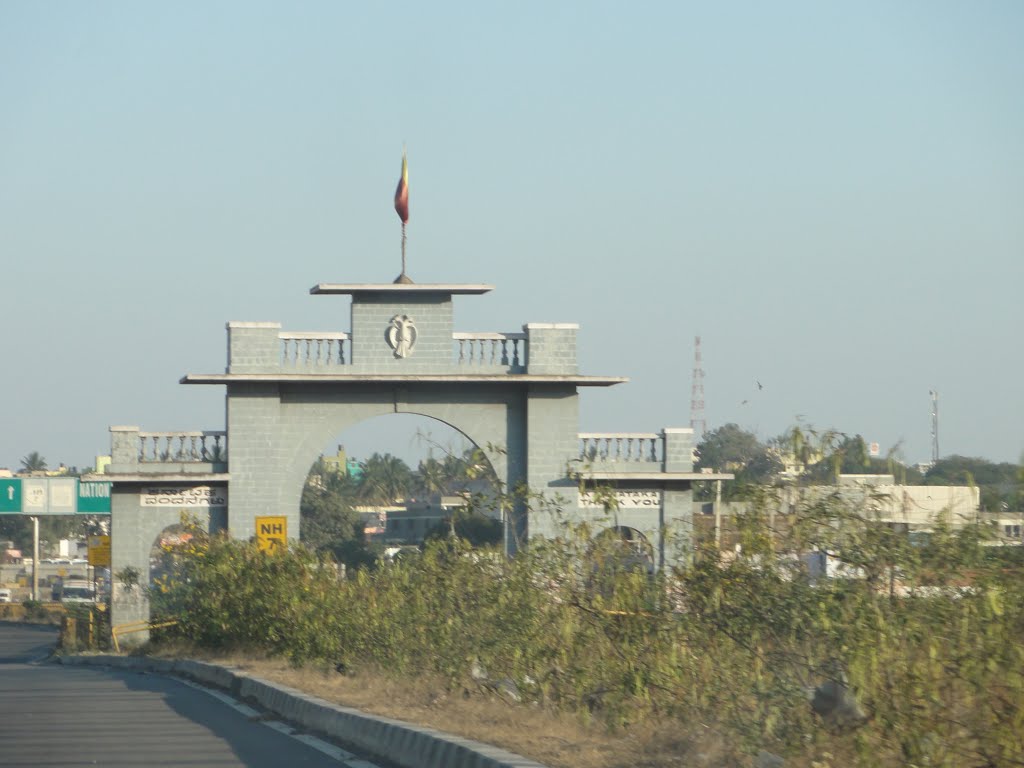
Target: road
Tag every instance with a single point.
(52, 715)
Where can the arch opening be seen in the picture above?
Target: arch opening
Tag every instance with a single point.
(393, 482)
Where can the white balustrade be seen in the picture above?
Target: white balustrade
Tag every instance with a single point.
(183, 447)
(622, 447)
(491, 350)
(300, 349)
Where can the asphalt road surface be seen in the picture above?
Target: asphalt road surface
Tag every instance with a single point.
(52, 715)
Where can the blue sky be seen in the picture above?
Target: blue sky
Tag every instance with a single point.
(830, 195)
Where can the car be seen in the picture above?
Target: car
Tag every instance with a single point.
(6, 596)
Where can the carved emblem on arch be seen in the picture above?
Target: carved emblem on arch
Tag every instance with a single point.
(401, 335)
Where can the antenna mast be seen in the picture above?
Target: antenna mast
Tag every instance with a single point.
(935, 425)
(697, 421)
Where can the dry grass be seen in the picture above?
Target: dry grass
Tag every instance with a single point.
(554, 739)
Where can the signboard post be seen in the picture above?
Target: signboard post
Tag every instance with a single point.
(272, 534)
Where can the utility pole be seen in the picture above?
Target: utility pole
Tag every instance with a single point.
(935, 425)
(718, 516)
(35, 558)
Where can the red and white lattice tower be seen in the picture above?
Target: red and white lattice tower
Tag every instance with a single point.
(697, 422)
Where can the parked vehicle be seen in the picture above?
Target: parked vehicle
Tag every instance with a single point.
(6, 596)
(74, 591)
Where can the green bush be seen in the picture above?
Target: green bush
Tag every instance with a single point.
(928, 638)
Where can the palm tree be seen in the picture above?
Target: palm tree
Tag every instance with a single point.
(432, 477)
(34, 462)
(385, 479)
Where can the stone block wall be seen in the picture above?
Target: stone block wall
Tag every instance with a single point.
(253, 347)
(432, 316)
(551, 348)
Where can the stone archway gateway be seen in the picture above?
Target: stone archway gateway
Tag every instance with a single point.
(515, 395)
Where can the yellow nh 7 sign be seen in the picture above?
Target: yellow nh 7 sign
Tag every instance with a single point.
(272, 534)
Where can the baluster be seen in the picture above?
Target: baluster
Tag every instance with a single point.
(515, 353)
(462, 352)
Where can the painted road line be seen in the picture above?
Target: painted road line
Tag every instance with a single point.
(335, 752)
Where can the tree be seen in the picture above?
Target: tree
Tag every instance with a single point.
(386, 478)
(732, 449)
(432, 477)
(326, 509)
(34, 462)
(473, 526)
(999, 484)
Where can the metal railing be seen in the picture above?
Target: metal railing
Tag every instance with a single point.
(136, 626)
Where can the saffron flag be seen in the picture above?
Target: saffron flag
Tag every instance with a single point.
(402, 193)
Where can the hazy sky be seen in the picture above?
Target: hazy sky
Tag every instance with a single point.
(831, 195)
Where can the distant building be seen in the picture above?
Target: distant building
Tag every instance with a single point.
(338, 463)
(879, 500)
(411, 524)
(341, 464)
(375, 519)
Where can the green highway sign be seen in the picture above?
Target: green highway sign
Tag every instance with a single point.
(53, 496)
(94, 498)
(10, 496)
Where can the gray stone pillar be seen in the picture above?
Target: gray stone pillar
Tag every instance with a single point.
(254, 347)
(551, 348)
(124, 450)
